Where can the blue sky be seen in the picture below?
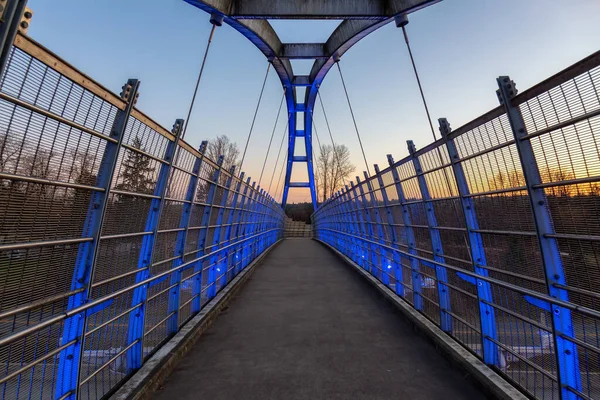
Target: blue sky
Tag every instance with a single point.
(460, 47)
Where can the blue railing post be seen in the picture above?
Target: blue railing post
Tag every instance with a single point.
(487, 314)
(372, 254)
(184, 223)
(394, 261)
(411, 243)
(69, 360)
(248, 226)
(239, 228)
(231, 220)
(355, 227)
(569, 374)
(215, 266)
(202, 235)
(363, 258)
(345, 222)
(436, 242)
(383, 264)
(135, 333)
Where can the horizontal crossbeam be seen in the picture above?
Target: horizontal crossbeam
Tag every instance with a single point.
(299, 184)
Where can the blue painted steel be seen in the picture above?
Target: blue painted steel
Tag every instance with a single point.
(70, 358)
(230, 262)
(395, 262)
(202, 235)
(249, 226)
(436, 243)
(184, 223)
(364, 253)
(135, 333)
(239, 227)
(417, 284)
(487, 313)
(354, 224)
(383, 259)
(308, 158)
(371, 255)
(562, 325)
(216, 269)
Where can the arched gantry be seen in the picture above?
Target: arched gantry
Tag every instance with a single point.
(360, 17)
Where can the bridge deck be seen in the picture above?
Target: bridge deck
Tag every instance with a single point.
(307, 327)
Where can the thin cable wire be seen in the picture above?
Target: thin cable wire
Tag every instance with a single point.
(412, 60)
(439, 152)
(353, 119)
(335, 153)
(271, 140)
(254, 118)
(278, 155)
(187, 120)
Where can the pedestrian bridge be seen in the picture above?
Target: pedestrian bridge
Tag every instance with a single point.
(133, 265)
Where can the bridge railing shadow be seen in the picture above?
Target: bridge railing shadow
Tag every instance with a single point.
(492, 232)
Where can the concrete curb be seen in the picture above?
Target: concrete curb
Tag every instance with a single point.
(491, 382)
(160, 365)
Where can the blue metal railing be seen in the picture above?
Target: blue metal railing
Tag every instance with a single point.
(114, 232)
(494, 233)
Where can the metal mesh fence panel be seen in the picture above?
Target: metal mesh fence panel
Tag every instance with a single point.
(494, 233)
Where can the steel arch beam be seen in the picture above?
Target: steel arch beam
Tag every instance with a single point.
(361, 17)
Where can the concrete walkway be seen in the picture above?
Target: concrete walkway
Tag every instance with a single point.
(306, 326)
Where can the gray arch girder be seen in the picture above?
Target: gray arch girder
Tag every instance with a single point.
(361, 17)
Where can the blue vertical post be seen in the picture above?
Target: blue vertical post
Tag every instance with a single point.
(201, 245)
(239, 228)
(69, 360)
(436, 243)
(569, 374)
(363, 247)
(9, 26)
(372, 254)
(484, 291)
(395, 261)
(215, 269)
(231, 220)
(184, 223)
(135, 330)
(411, 243)
(248, 226)
(355, 227)
(383, 259)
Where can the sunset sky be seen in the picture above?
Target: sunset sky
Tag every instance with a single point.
(460, 47)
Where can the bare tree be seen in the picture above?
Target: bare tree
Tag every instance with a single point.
(9, 149)
(223, 146)
(334, 168)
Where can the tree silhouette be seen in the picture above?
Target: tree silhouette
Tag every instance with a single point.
(137, 175)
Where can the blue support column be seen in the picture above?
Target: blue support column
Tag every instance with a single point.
(135, 332)
(411, 243)
(395, 261)
(215, 269)
(184, 223)
(487, 314)
(69, 361)
(201, 246)
(231, 220)
(383, 261)
(436, 243)
(569, 374)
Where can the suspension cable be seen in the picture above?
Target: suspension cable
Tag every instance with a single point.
(335, 154)
(279, 179)
(254, 118)
(353, 118)
(187, 120)
(278, 155)
(412, 60)
(271, 140)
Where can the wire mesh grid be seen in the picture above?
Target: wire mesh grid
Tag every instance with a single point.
(67, 332)
(495, 247)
